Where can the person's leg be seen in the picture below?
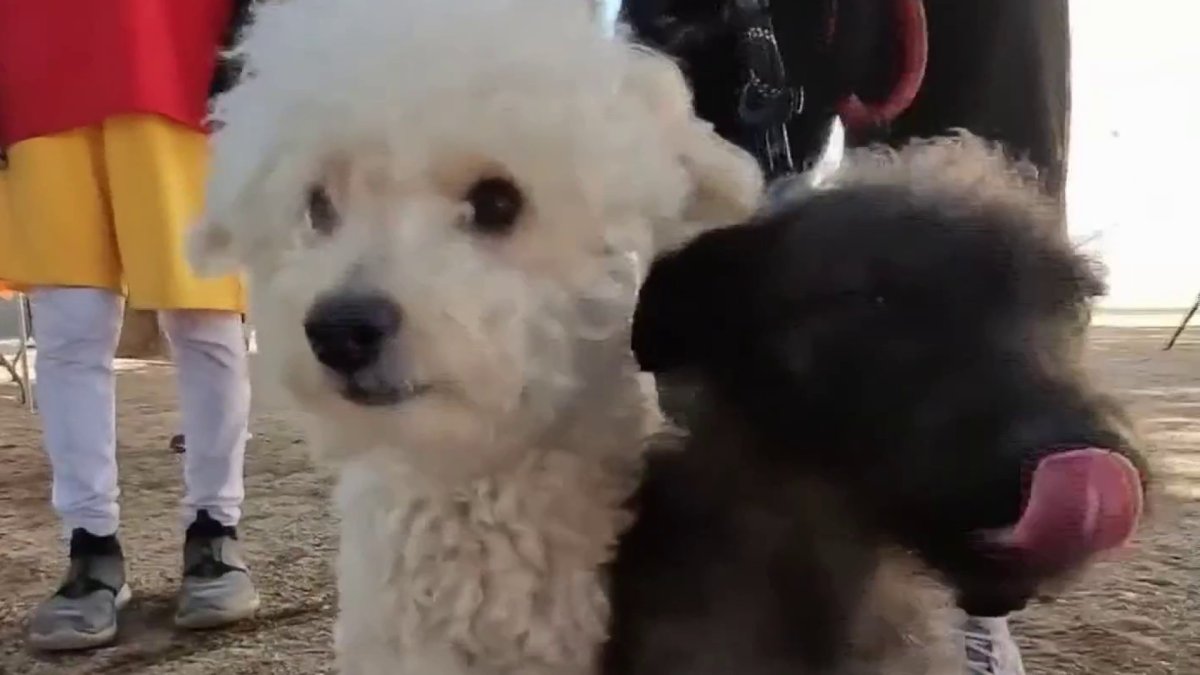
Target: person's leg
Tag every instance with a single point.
(214, 395)
(156, 172)
(1000, 69)
(58, 245)
(77, 331)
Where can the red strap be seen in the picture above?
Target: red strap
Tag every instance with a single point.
(857, 115)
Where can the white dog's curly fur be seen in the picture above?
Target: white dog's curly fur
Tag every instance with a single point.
(476, 516)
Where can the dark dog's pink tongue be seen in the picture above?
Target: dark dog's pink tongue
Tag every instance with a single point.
(1081, 503)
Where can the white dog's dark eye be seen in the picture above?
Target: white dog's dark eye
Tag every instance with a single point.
(496, 203)
(321, 212)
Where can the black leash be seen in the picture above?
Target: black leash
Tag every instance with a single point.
(767, 101)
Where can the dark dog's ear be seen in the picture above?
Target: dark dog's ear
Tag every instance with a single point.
(668, 309)
(688, 307)
(1067, 278)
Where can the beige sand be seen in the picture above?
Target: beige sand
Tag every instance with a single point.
(1139, 615)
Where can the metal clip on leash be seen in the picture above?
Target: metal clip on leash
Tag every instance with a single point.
(767, 102)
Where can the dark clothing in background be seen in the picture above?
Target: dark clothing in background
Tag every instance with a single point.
(997, 68)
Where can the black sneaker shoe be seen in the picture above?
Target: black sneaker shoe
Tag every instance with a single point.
(82, 614)
(216, 589)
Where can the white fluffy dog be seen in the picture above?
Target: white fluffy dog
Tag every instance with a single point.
(442, 206)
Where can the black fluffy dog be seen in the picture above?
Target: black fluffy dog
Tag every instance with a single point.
(888, 371)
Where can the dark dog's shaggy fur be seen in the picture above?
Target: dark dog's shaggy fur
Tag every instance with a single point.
(881, 366)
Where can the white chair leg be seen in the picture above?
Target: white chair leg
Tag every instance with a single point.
(26, 323)
(11, 368)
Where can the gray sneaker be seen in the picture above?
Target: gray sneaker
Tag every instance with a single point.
(82, 614)
(217, 589)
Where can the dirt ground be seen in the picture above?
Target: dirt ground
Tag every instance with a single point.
(1138, 615)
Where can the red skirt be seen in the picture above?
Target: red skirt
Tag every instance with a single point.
(66, 64)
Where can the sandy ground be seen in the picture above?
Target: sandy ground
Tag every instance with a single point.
(1139, 615)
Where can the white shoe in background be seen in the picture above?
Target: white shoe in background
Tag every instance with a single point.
(989, 647)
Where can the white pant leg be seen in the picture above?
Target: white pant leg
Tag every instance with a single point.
(209, 350)
(76, 332)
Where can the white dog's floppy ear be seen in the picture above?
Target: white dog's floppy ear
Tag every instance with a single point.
(250, 200)
(210, 248)
(727, 183)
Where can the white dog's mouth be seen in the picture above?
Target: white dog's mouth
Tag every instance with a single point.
(354, 336)
(374, 394)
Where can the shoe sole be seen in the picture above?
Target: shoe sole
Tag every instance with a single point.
(205, 619)
(70, 641)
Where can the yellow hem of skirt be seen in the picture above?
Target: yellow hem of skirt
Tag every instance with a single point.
(108, 206)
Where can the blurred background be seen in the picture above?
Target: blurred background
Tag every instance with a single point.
(1135, 147)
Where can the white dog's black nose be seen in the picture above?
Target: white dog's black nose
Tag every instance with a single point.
(348, 332)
